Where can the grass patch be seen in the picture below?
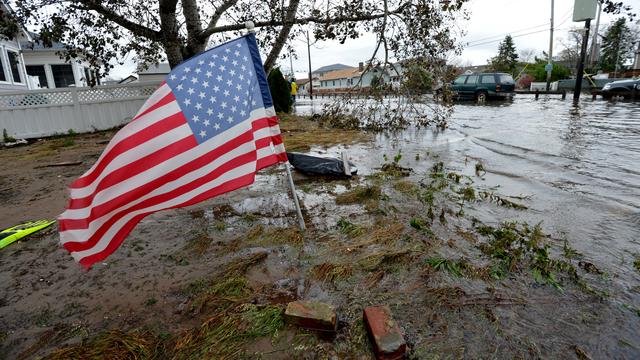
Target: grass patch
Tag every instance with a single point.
(114, 344)
(406, 187)
(380, 258)
(328, 272)
(222, 336)
(369, 196)
(499, 200)
(636, 262)
(299, 133)
(349, 229)
(455, 268)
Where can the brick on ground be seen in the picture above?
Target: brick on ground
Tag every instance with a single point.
(311, 315)
(385, 334)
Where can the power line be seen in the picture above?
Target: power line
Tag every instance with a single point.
(502, 35)
(515, 36)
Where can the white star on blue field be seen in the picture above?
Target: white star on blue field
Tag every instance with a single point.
(217, 89)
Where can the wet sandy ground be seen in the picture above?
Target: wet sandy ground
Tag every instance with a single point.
(358, 251)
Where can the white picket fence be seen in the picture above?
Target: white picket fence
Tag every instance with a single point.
(45, 112)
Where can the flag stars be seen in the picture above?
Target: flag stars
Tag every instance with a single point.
(224, 105)
(226, 93)
(236, 98)
(216, 88)
(243, 68)
(253, 103)
(187, 69)
(209, 111)
(229, 82)
(187, 102)
(198, 71)
(179, 87)
(194, 80)
(245, 58)
(200, 62)
(239, 87)
(216, 126)
(241, 77)
(220, 115)
(243, 113)
(209, 74)
(212, 64)
(203, 133)
(173, 77)
(232, 72)
(229, 119)
(196, 118)
(205, 84)
(213, 99)
(245, 103)
(191, 91)
(202, 95)
(237, 53)
(198, 106)
(219, 78)
(225, 58)
(183, 78)
(235, 62)
(206, 122)
(227, 50)
(234, 109)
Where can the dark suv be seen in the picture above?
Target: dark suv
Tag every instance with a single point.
(481, 86)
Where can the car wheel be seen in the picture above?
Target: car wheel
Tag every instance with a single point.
(481, 96)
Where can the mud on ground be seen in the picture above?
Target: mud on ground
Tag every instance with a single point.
(211, 281)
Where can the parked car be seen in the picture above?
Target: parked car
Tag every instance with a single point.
(482, 86)
(628, 89)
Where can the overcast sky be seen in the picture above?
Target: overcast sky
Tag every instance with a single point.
(490, 20)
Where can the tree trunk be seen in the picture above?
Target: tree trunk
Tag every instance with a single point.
(283, 36)
(169, 29)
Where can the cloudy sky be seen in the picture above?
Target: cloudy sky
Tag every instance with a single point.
(526, 20)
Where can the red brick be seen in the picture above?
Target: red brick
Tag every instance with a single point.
(384, 332)
(311, 315)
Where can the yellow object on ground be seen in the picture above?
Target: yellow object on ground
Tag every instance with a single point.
(17, 232)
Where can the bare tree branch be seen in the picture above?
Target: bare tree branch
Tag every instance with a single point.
(282, 36)
(120, 20)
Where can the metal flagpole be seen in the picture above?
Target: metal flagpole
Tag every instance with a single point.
(251, 28)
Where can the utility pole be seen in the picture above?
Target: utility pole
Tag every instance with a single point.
(549, 66)
(594, 42)
(310, 77)
(585, 39)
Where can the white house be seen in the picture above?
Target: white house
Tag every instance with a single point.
(13, 75)
(155, 72)
(51, 70)
(350, 79)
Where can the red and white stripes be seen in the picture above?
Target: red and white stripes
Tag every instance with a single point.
(155, 163)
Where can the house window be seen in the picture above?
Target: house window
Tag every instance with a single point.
(87, 76)
(14, 65)
(38, 70)
(63, 75)
(3, 77)
(334, 83)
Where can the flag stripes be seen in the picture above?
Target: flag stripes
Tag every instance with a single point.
(191, 140)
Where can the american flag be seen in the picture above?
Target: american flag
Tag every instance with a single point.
(207, 130)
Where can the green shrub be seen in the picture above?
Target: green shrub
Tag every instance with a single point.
(280, 91)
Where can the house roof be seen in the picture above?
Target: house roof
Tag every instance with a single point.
(340, 74)
(302, 81)
(156, 69)
(36, 45)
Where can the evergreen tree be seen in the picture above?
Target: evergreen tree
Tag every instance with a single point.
(280, 91)
(617, 46)
(507, 57)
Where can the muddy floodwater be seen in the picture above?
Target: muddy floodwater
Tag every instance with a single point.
(577, 164)
(513, 233)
